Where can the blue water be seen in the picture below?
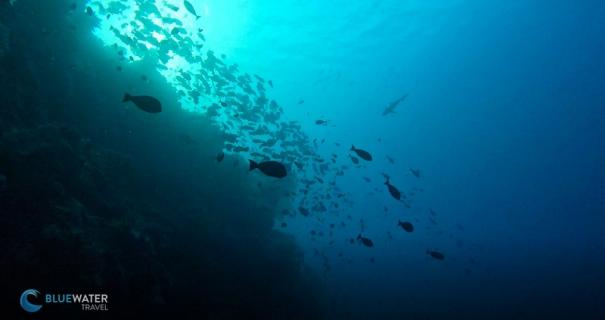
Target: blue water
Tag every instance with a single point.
(504, 118)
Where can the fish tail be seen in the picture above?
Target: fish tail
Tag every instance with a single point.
(253, 165)
(126, 97)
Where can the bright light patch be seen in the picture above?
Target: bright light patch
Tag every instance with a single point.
(158, 36)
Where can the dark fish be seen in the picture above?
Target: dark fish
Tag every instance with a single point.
(175, 31)
(321, 122)
(393, 190)
(355, 160)
(89, 11)
(171, 7)
(391, 107)
(362, 153)
(191, 9)
(283, 224)
(220, 156)
(415, 172)
(270, 168)
(408, 227)
(366, 179)
(391, 160)
(270, 83)
(145, 103)
(301, 101)
(435, 254)
(365, 241)
(304, 211)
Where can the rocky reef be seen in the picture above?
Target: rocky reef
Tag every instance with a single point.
(95, 197)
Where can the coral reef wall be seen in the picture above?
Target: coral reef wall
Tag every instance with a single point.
(98, 196)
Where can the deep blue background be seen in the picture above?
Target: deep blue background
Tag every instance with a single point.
(505, 117)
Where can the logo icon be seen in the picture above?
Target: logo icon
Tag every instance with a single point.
(25, 304)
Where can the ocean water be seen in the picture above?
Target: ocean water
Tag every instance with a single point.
(502, 113)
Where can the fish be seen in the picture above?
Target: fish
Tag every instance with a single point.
(435, 255)
(407, 226)
(269, 168)
(393, 190)
(304, 211)
(283, 224)
(393, 104)
(391, 160)
(362, 153)
(415, 172)
(175, 31)
(301, 101)
(145, 103)
(355, 160)
(89, 11)
(365, 241)
(171, 7)
(321, 122)
(220, 156)
(191, 9)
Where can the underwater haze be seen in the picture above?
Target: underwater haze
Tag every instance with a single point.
(242, 159)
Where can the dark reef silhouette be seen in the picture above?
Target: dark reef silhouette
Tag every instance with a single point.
(96, 196)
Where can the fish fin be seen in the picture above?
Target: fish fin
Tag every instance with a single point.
(253, 165)
(126, 97)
